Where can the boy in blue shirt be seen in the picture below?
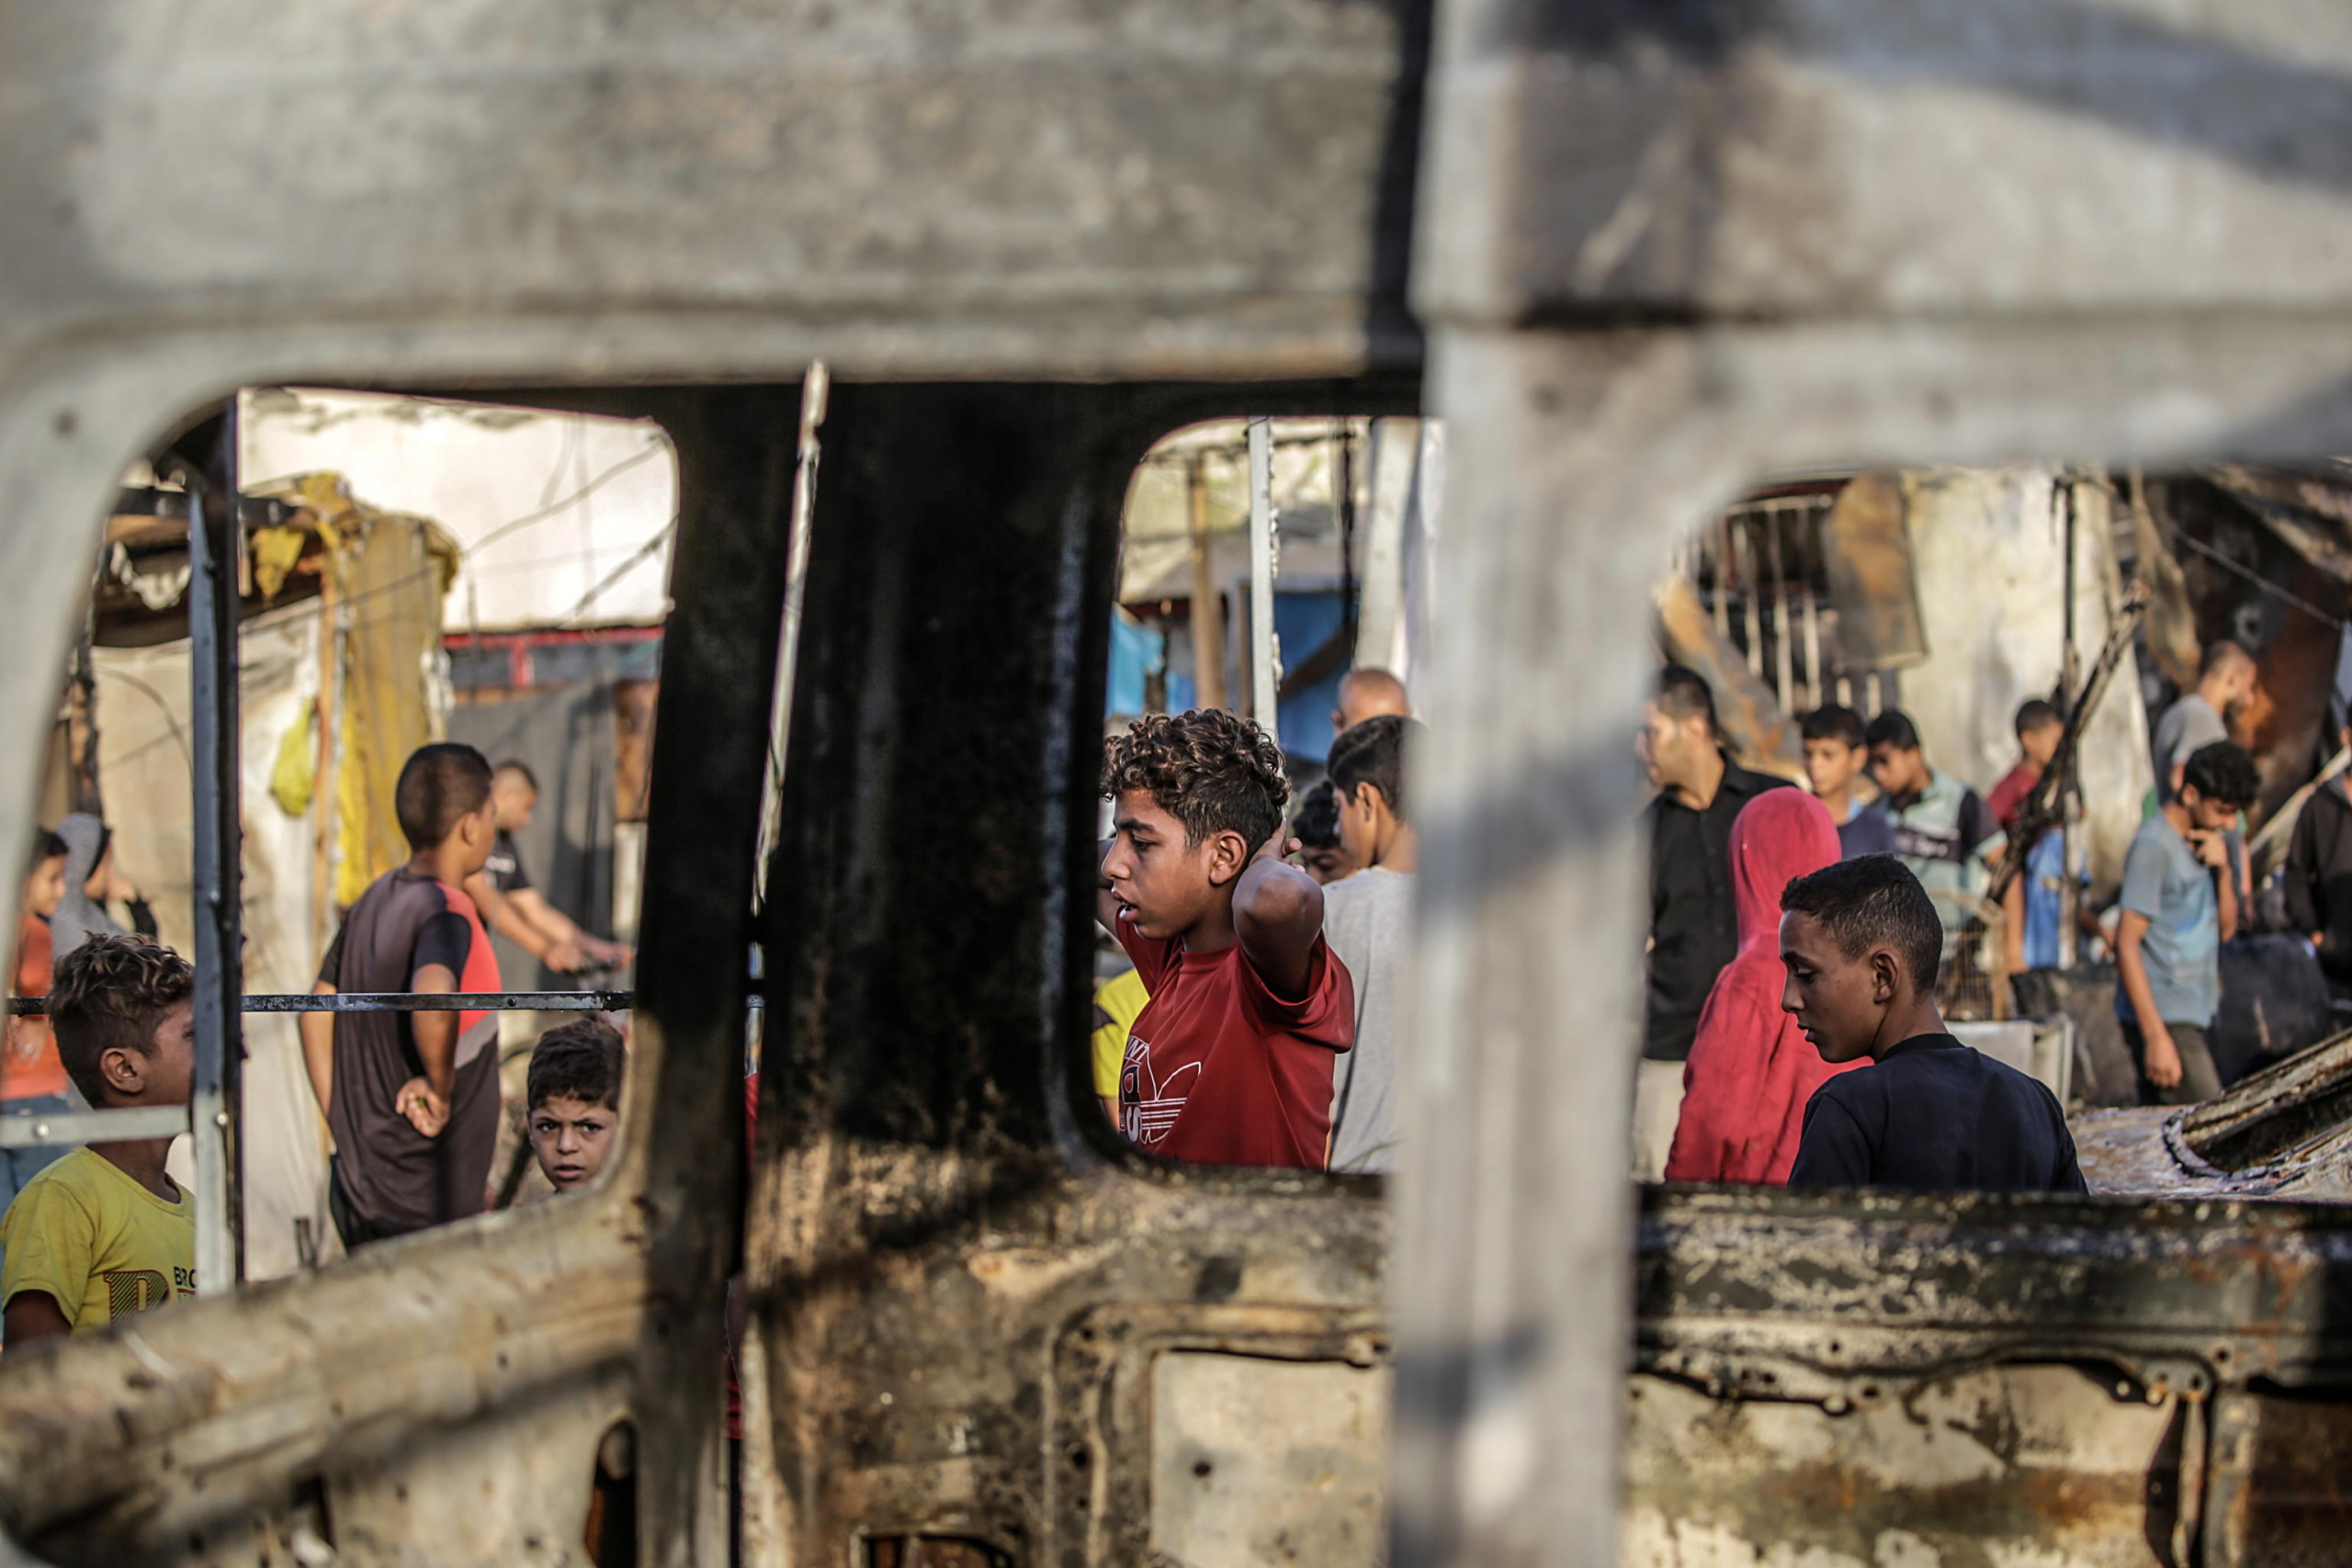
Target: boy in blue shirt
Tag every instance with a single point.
(2177, 912)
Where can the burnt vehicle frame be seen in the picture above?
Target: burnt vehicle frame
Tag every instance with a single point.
(1648, 271)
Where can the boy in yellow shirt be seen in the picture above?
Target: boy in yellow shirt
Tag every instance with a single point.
(103, 1233)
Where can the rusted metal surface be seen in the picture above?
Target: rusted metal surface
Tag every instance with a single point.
(962, 1283)
(2284, 1133)
(1655, 268)
(1871, 579)
(1967, 1471)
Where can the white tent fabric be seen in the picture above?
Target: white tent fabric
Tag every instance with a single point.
(143, 704)
(564, 519)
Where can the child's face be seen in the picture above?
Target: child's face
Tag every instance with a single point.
(572, 1138)
(1166, 884)
(477, 835)
(45, 887)
(2207, 816)
(2041, 745)
(1831, 765)
(1899, 770)
(1838, 1001)
(1327, 863)
(165, 1072)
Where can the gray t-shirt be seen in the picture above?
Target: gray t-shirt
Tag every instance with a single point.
(1368, 919)
(2163, 881)
(2188, 726)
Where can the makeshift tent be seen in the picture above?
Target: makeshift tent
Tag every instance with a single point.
(334, 690)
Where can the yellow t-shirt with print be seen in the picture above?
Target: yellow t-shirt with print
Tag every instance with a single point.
(98, 1242)
(1118, 1003)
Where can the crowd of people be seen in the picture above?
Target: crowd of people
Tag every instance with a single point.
(413, 1099)
(1752, 1073)
(1791, 1032)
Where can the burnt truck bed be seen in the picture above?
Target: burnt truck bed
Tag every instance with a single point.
(2285, 1132)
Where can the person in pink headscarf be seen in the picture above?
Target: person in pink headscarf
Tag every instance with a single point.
(1750, 1072)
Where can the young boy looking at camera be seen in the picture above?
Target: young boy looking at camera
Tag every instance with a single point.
(1231, 1061)
(103, 1233)
(1862, 943)
(575, 1099)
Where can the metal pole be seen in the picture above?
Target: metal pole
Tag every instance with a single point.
(1265, 648)
(2066, 788)
(1752, 592)
(212, 541)
(1783, 651)
(1208, 609)
(1815, 679)
(816, 383)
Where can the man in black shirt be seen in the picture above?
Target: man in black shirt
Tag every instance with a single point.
(1694, 931)
(512, 904)
(1862, 943)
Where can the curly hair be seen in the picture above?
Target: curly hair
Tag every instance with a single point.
(583, 1060)
(2224, 773)
(1212, 771)
(111, 993)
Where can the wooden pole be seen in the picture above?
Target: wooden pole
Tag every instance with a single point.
(324, 781)
(1208, 609)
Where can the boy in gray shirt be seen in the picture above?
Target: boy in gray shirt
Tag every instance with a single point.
(2177, 912)
(1368, 919)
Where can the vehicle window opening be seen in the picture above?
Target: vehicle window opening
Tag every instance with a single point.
(1271, 594)
(2008, 679)
(391, 570)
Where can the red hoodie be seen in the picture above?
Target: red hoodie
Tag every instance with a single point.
(1750, 1072)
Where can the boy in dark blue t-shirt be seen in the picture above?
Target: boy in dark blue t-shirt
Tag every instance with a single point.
(1862, 944)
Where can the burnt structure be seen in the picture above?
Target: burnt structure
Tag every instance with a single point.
(1657, 251)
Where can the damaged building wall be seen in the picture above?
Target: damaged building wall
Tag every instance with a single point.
(1989, 548)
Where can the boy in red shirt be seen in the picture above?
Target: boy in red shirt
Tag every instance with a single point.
(33, 1078)
(1231, 1062)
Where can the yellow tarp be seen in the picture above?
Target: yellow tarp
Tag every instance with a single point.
(389, 573)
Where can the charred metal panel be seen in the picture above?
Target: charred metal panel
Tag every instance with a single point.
(446, 1394)
(962, 1281)
(2037, 1463)
(1862, 158)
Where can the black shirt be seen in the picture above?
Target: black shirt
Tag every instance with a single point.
(2319, 876)
(1694, 929)
(504, 866)
(1934, 1115)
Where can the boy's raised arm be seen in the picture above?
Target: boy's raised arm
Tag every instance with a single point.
(1278, 913)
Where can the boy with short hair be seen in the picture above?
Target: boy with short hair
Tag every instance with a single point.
(2180, 904)
(103, 1233)
(1231, 1063)
(32, 1081)
(1317, 828)
(1862, 944)
(1943, 831)
(1833, 759)
(411, 1097)
(1369, 919)
(575, 1099)
(2038, 731)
